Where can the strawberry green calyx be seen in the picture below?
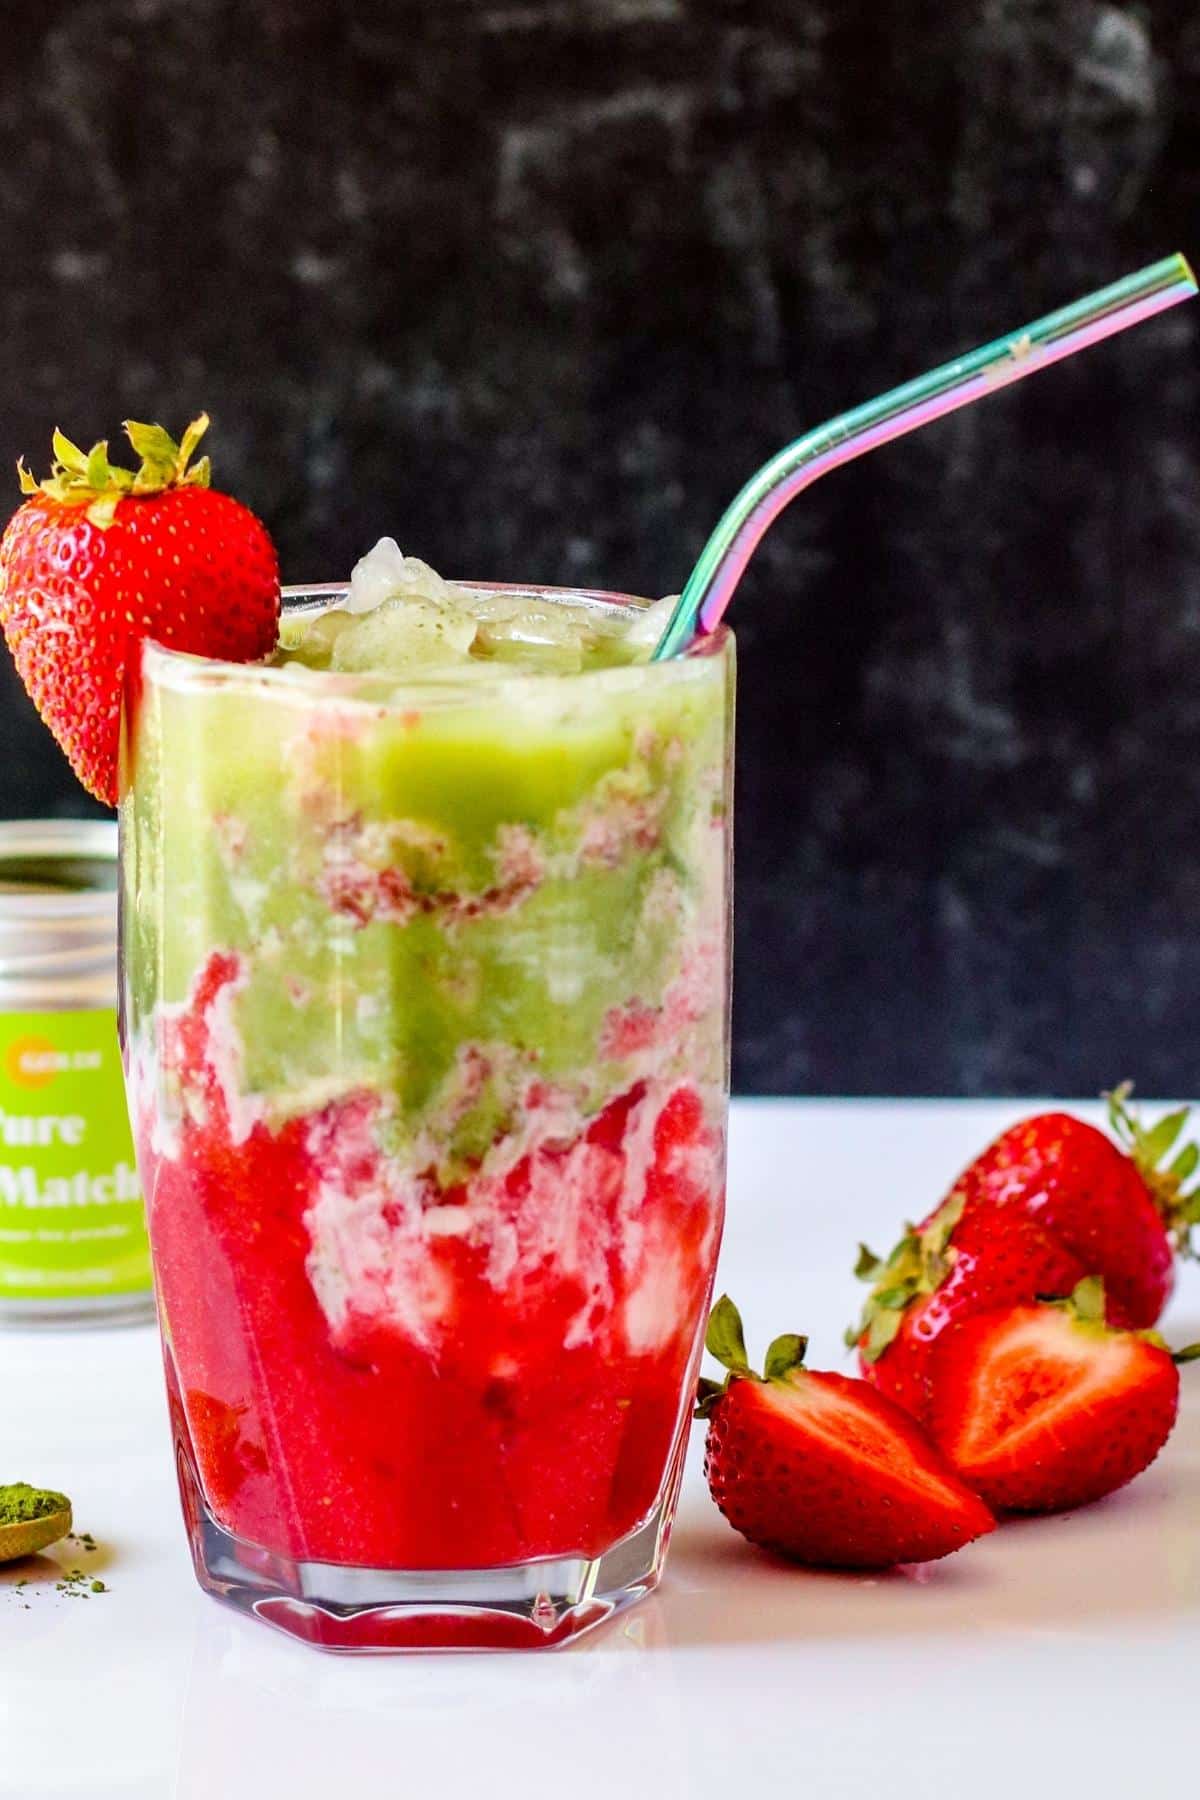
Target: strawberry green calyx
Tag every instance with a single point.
(86, 477)
(1086, 1306)
(917, 1266)
(1149, 1148)
(725, 1341)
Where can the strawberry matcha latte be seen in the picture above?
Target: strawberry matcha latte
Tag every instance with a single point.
(426, 979)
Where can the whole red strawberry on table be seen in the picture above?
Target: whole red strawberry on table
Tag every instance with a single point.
(99, 558)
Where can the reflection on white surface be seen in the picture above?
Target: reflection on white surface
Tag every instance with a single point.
(1058, 1655)
(342, 1723)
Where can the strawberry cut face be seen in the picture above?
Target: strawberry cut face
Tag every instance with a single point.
(820, 1468)
(1027, 1386)
(1040, 1410)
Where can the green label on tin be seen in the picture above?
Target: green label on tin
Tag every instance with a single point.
(71, 1220)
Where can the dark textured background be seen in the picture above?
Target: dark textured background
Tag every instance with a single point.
(533, 284)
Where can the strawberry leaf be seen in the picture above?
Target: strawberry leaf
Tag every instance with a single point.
(153, 477)
(784, 1354)
(103, 511)
(1186, 1163)
(895, 1299)
(68, 454)
(937, 1234)
(880, 1333)
(908, 1270)
(1087, 1300)
(707, 1394)
(188, 442)
(906, 1250)
(868, 1265)
(1155, 1143)
(153, 443)
(724, 1338)
(1147, 1149)
(97, 466)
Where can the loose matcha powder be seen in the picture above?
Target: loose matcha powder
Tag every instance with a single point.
(20, 1503)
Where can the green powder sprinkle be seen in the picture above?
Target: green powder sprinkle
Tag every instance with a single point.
(20, 1503)
(76, 1585)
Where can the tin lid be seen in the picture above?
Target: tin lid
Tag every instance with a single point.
(58, 912)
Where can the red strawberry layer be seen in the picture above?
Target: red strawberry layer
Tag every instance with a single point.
(379, 1372)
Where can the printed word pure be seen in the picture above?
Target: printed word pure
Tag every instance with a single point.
(23, 1131)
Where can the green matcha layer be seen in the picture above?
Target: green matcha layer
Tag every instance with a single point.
(437, 886)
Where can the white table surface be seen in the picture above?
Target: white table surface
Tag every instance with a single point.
(1058, 1656)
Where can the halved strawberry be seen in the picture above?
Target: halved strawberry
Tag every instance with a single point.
(820, 1467)
(1044, 1407)
(99, 558)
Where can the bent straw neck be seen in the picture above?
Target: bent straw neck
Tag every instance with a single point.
(722, 562)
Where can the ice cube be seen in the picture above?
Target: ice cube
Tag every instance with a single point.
(538, 635)
(316, 646)
(385, 573)
(401, 634)
(376, 576)
(647, 627)
(424, 583)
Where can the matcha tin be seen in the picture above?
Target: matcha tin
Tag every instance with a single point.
(73, 1245)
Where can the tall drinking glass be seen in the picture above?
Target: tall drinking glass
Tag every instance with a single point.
(425, 1020)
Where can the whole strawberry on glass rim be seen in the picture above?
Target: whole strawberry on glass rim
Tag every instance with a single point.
(99, 558)
(1051, 1201)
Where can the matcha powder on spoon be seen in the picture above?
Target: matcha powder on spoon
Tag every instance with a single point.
(19, 1503)
(30, 1519)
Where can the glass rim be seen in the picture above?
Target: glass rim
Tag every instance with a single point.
(375, 688)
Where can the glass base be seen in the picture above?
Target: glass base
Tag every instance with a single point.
(533, 1605)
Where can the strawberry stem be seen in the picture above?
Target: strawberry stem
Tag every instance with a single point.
(918, 1265)
(88, 479)
(726, 1341)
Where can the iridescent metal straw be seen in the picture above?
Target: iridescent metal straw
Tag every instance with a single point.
(711, 585)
